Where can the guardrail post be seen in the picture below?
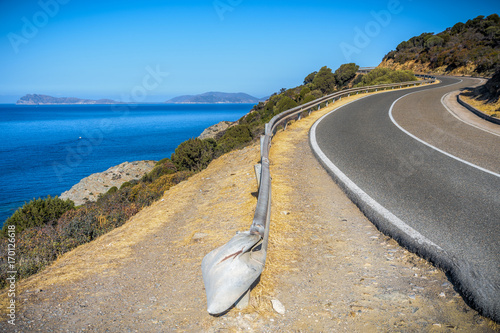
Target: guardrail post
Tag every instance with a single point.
(309, 112)
(319, 106)
(258, 173)
(262, 142)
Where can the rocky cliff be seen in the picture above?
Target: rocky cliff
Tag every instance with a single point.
(90, 187)
(216, 131)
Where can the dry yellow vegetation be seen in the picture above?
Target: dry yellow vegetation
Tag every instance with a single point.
(491, 109)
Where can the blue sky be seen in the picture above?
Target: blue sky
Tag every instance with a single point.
(150, 51)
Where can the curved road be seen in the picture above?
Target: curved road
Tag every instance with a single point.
(424, 177)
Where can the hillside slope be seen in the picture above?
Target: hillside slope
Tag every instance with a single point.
(471, 48)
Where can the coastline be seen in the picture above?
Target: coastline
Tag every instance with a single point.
(89, 188)
(74, 141)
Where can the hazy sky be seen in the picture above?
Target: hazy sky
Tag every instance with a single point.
(151, 50)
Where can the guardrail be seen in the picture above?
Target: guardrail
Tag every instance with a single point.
(477, 112)
(230, 271)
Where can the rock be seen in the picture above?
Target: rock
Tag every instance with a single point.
(90, 187)
(278, 307)
(216, 131)
(199, 235)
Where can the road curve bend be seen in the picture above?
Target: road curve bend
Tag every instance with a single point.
(425, 178)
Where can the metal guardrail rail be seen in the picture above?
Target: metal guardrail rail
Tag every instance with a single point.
(477, 112)
(230, 271)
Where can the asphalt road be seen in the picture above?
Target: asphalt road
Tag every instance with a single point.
(442, 203)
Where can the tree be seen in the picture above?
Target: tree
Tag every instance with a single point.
(324, 80)
(345, 73)
(309, 78)
(458, 28)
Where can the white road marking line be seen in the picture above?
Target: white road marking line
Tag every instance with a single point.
(433, 147)
(362, 195)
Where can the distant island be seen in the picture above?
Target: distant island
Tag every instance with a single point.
(215, 97)
(35, 99)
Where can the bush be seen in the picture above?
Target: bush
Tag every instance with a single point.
(163, 167)
(36, 248)
(284, 104)
(38, 213)
(236, 137)
(386, 75)
(303, 92)
(126, 184)
(194, 154)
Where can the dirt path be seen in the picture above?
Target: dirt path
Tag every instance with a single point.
(327, 264)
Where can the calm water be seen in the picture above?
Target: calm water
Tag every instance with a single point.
(47, 149)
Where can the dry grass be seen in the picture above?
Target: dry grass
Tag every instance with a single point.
(491, 109)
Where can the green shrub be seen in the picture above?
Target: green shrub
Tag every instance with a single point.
(194, 154)
(284, 104)
(112, 190)
(303, 92)
(126, 184)
(385, 75)
(268, 111)
(163, 167)
(38, 213)
(236, 137)
(36, 248)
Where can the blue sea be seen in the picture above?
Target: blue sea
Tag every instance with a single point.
(45, 150)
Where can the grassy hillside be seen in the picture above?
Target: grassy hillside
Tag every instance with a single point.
(471, 48)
